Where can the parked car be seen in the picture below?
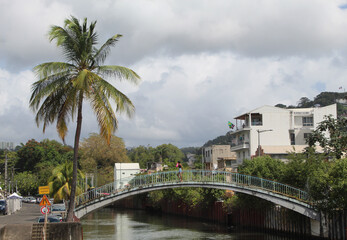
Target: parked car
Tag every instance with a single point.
(58, 209)
(50, 219)
(3, 207)
(30, 199)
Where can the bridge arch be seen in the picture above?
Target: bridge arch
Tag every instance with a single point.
(277, 193)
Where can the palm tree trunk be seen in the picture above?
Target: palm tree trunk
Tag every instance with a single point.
(71, 208)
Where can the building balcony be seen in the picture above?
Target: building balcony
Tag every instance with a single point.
(240, 129)
(240, 146)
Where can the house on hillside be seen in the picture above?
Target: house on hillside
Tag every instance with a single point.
(276, 131)
(213, 153)
(154, 167)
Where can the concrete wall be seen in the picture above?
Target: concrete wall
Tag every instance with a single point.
(34, 231)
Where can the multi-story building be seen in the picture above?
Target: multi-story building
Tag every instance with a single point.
(213, 153)
(7, 145)
(276, 131)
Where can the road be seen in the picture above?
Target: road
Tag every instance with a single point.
(29, 213)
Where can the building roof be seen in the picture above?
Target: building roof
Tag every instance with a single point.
(287, 149)
(264, 107)
(259, 110)
(127, 166)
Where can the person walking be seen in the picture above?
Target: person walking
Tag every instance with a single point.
(180, 169)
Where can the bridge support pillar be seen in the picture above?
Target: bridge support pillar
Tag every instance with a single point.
(319, 228)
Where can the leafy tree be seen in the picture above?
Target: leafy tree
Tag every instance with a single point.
(168, 154)
(99, 157)
(62, 86)
(61, 181)
(192, 197)
(47, 153)
(338, 184)
(27, 183)
(304, 102)
(29, 155)
(335, 143)
(263, 167)
(141, 155)
(280, 105)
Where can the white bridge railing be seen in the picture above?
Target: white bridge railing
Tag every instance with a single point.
(191, 176)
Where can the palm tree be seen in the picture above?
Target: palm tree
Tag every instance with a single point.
(62, 86)
(61, 181)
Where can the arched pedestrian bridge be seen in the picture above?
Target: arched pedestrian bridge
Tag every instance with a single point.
(280, 194)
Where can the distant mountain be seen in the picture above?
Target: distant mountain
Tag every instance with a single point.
(221, 140)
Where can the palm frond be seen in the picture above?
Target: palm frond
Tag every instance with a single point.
(122, 102)
(118, 72)
(104, 50)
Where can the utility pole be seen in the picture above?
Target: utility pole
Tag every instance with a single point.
(259, 132)
(5, 192)
(12, 180)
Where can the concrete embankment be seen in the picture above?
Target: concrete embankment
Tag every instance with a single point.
(23, 225)
(55, 231)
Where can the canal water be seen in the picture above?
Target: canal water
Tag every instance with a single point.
(110, 223)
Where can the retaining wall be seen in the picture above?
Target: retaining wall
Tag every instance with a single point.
(55, 231)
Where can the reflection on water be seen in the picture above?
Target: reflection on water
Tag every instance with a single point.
(109, 223)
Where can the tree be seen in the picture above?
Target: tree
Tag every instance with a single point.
(62, 86)
(304, 102)
(168, 154)
(61, 181)
(263, 167)
(280, 105)
(29, 155)
(27, 183)
(331, 135)
(97, 156)
(141, 155)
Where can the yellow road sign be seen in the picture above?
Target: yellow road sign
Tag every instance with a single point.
(45, 201)
(44, 190)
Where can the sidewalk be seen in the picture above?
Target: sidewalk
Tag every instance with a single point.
(29, 213)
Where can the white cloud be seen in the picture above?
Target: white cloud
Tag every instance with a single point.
(202, 62)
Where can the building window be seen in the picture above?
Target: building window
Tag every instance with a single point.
(307, 135)
(256, 119)
(292, 139)
(307, 121)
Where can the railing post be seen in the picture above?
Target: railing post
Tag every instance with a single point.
(261, 183)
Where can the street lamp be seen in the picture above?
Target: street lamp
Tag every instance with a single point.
(259, 132)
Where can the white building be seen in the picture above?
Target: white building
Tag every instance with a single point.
(7, 145)
(213, 153)
(124, 172)
(276, 130)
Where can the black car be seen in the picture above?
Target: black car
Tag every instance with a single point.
(50, 219)
(3, 207)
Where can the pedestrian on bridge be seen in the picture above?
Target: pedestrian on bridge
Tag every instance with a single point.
(180, 169)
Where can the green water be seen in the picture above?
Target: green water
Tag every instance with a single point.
(109, 223)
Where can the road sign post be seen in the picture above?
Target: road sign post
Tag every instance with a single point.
(45, 202)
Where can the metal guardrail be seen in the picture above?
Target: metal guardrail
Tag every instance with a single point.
(191, 176)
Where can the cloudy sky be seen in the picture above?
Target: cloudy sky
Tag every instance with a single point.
(201, 62)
